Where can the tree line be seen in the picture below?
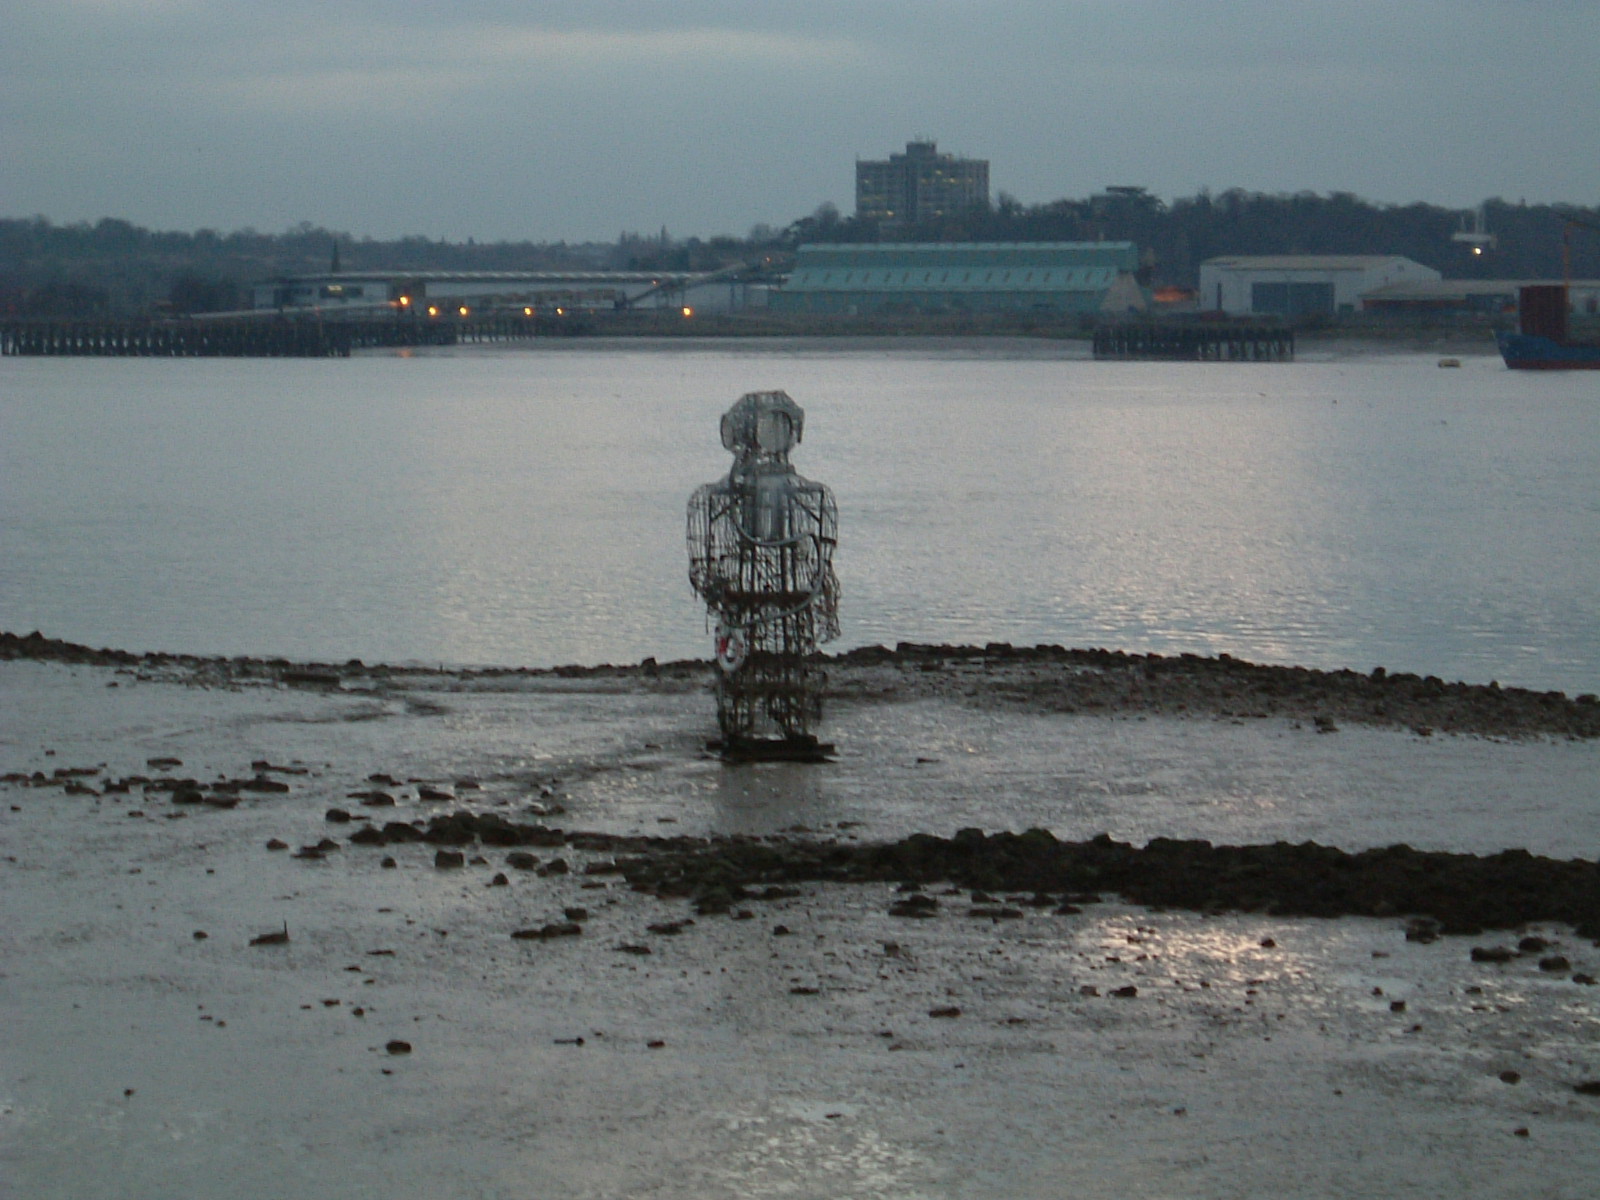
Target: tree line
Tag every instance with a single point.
(112, 267)
(1174, 239)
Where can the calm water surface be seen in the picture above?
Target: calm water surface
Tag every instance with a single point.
(525, 506)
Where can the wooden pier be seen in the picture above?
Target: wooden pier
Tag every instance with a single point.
(268, 336)
(1195, 343)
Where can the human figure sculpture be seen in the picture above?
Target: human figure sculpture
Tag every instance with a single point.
(761, 557)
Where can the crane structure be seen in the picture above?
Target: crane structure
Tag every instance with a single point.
(1475, 237)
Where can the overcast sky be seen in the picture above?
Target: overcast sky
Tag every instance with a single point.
(575, 121)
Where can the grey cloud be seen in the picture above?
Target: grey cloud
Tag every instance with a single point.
(502, 119)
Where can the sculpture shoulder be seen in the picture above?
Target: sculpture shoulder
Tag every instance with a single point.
(700, 499)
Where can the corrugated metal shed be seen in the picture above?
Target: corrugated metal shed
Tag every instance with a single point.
(1303, 262)
(991, 276)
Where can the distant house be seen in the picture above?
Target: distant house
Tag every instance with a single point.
(936, 277)
(1296, 285)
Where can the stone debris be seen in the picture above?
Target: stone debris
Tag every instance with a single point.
(544, 933)
(1043, 678)
(916, 906)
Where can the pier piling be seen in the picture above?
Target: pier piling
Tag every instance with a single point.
(1195, 343)
(267, 336)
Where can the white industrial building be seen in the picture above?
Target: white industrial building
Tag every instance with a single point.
(1295, 285)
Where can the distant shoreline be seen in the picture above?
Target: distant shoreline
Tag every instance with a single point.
(1077, 327)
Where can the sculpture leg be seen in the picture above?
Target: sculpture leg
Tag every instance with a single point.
(769, 705)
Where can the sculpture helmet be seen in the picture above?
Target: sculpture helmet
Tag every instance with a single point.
(763, 423)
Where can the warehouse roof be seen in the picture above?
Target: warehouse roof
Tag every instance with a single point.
(1303, 262)
(961, 266)
(947, 248)
(954, 279)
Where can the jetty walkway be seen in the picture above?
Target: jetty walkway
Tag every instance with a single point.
(1195, 343)
(263, 337)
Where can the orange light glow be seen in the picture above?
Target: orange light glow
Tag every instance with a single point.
(433, 310)
(687, 311)
(405, 301)
(527, 312)
(463, 310)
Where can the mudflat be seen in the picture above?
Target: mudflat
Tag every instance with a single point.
(1055, 919)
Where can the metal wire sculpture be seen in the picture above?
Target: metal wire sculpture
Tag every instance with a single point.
(761, 546)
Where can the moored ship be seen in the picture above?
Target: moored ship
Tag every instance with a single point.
(1542, 342)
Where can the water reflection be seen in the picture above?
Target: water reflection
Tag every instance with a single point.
(527, 507)
(762, 798)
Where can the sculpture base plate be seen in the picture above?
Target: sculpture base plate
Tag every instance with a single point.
(805, 749)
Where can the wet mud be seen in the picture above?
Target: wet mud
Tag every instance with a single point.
(435, 917)
(1045, 678)
(1111, 683)
(1440, 892)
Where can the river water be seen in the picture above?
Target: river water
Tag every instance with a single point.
(524, 505)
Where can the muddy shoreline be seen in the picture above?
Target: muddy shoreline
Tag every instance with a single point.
(1044, 678)
(1440, 892)
(459, 928)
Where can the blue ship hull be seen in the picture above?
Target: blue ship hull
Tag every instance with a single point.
(1527, 352)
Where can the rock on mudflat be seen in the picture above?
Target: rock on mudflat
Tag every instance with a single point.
(546, 932)
(917, 906)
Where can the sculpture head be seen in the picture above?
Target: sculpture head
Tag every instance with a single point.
(763, 425)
